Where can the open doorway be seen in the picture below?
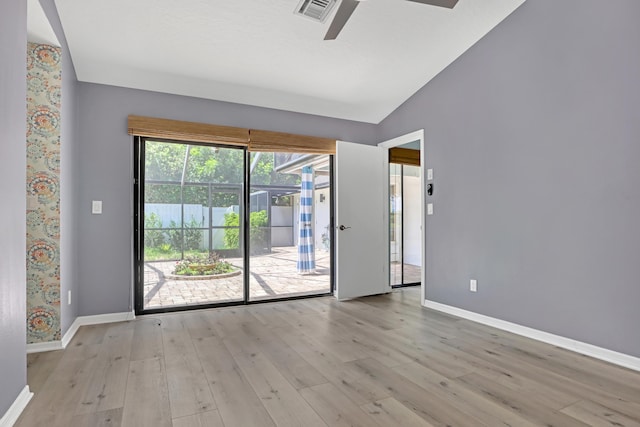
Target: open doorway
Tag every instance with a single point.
(405, 243)
(405, 213)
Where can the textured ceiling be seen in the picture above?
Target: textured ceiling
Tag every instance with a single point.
(258, 52)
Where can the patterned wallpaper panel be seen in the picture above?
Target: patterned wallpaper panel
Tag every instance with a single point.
(44, 72)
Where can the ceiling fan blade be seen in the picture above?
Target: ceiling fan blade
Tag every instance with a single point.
(343, 14)
(442, 3)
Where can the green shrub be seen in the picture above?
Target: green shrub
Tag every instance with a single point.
(192, 236)
(153, 238)
(175, 235)
(259, 233)
(231, 235)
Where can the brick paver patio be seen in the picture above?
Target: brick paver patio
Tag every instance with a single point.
(272, 275)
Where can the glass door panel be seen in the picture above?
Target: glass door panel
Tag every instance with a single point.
(192, 235)
(290, 225)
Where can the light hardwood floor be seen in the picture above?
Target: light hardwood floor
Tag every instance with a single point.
(377, 361)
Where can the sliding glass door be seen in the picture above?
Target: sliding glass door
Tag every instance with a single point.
(206, 237)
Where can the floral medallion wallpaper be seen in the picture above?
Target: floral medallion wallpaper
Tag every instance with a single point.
(44, 77)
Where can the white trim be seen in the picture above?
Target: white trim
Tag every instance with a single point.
(16, 408)
(423, 186)
(105, 318)
(71, 332)
(40, 347)
(80, 321)
(417, 135)
(610, 356)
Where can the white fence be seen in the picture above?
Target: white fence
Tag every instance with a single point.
(170, 216)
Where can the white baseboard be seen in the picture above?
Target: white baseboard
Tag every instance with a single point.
(610, 356)
(40, 347)
(80, 321)
(71, 332)
(14, 411)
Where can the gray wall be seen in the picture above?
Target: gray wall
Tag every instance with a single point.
(533, 136)
(13, 113)
(106, 157)
(69, 165)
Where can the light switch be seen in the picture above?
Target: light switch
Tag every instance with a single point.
(96, 207)
(429, 174)
(429, 208)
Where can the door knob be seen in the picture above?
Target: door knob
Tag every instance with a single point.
(342, 228)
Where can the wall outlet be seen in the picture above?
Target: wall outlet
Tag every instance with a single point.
(473, 285)
(429, 208)
(429, 174)
(69, 297)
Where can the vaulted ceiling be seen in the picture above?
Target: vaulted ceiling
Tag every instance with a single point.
(259, 52)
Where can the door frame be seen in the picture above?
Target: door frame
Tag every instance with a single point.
(417, 135)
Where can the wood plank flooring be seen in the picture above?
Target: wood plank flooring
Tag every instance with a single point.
(376, 361)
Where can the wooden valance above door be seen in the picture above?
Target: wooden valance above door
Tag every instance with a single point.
(187, 131)
(404, 156)
(254, 140)
(262, 140)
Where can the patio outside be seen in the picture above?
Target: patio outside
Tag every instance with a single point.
(272, 275)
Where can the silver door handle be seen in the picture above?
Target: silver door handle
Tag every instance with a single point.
(342, 228)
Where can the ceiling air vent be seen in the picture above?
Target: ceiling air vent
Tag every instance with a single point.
(318, 10)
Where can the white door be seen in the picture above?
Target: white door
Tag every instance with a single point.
(361, 245)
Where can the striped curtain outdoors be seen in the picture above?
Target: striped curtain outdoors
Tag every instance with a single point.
(306, 253)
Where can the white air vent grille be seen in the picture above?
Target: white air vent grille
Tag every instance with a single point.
(318, 10)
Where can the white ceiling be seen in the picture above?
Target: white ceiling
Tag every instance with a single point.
(38, 27)
(258, 52)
